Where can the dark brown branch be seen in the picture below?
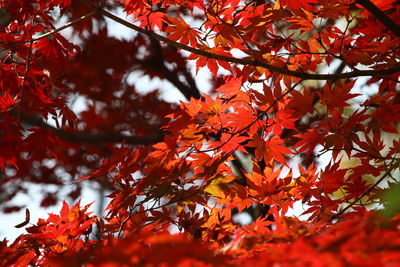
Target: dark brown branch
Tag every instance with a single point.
(243, 61)
(92, 138)
(157, 63)
(187, 91)
(382, 17)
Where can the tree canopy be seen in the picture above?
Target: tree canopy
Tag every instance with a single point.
(292, 81)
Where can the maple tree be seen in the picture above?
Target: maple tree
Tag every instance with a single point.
(292, 81)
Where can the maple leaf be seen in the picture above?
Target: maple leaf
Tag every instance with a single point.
(309, 140)
(271, 149)
(230, 88)
(301, 103)
(62, 3)
(241, 119)
(337, 96)
(135, 6)
(383, 118)
(181, 31)
(306, 4)
(303, 20)
(212, 64)
(265, 184)
(282, 120)
(332, 178)
(154, 19)
(7, 101)
(229, 143)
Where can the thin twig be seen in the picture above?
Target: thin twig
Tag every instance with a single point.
(372, 187)
(92, 138)
(52, 32)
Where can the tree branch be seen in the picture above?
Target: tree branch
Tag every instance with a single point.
(382, 17)
(189, 90)
(242, 61)
(92, 138)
